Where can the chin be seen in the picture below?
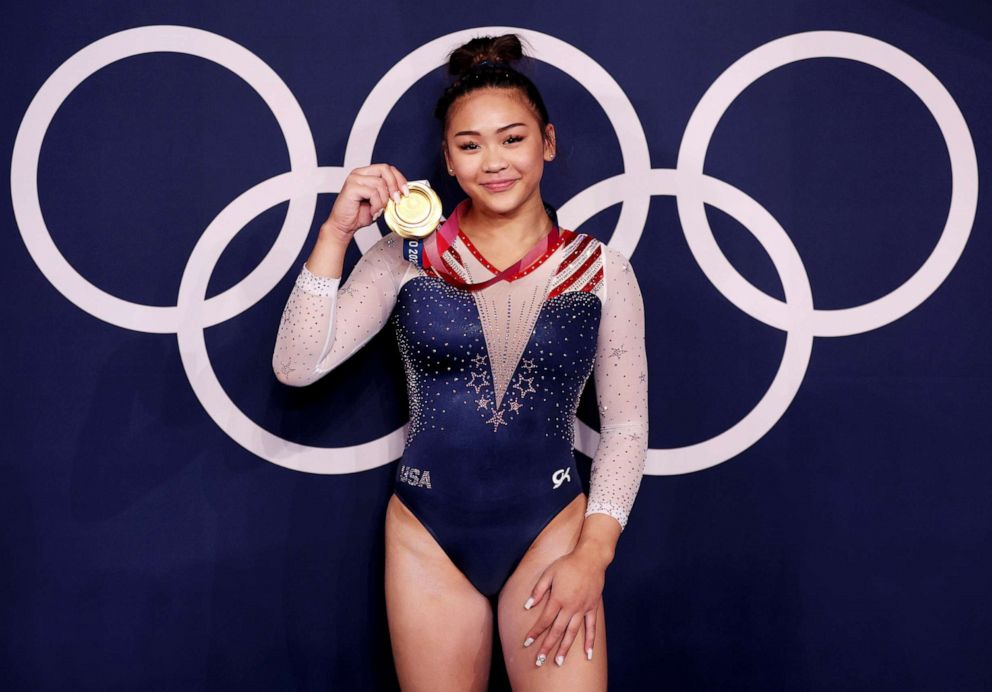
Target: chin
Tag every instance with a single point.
(501, 204)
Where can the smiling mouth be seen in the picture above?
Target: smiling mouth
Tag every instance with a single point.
(498, 187)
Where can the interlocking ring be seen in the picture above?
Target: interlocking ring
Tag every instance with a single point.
(634, 188)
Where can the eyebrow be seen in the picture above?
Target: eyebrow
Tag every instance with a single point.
(505, 127)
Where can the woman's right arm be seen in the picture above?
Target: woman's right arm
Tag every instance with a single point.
(323, 323)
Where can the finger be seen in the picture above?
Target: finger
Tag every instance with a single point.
(554, 637)
(386, 172)
(371, 189)
(401, 180)
(378, 193)
(539, 589)
(566, 641)
(377, 181)
(359, 187)
(393, 186)
(546, 619)
(373, 169)
(590, 633)
(383, 189)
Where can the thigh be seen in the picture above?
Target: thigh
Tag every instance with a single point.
(440, 626)
(578, 674)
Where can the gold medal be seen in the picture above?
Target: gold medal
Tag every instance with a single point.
(418, 214)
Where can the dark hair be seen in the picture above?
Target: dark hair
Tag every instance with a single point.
(487, 61)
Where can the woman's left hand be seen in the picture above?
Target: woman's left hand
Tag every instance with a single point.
(574, 584)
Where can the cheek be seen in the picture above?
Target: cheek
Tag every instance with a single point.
(532, 162)
(464, 165)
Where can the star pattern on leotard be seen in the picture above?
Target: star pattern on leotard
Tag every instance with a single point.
(497, 419)
(286, 367)
(441, 331)
(483, 381)
(617, 352)
(524, 391)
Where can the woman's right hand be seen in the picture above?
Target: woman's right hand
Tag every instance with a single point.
(363, 198)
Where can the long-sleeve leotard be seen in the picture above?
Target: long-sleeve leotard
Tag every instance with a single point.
(324, 323)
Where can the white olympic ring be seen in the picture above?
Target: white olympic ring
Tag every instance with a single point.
(634, 188)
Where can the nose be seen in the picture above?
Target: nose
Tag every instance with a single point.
(493, 162)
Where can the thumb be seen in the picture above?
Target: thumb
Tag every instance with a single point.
(540, 588)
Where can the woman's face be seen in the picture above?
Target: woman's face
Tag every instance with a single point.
(493, 135)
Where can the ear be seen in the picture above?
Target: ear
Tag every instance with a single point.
(550, 142)
(447, 157)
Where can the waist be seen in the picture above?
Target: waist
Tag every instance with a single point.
(485, 475)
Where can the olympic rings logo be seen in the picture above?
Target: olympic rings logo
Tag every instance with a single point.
(687, 182)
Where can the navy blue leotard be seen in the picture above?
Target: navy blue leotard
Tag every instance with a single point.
(493, 381)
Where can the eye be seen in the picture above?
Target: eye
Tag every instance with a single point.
(512, 139)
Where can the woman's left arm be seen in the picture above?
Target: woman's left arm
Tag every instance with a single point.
(576, 580)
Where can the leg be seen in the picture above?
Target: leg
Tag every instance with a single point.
(440, 626)
(578, 673)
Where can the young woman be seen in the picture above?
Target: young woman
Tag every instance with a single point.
(488, 518)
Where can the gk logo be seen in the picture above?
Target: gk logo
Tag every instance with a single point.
(560, 476)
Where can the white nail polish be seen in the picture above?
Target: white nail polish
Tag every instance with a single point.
(528, 641)
(406, 190)
(529, 603)
(559, 659)
(541, 659)
(589, 653)
(396, 197)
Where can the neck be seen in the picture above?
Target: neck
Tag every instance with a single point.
(523, 226)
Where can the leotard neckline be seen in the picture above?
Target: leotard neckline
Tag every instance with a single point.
(563, 236)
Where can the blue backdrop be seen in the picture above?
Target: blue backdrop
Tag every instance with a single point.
(800, 187)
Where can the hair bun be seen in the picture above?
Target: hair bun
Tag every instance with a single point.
(485, 52)
(487, 61)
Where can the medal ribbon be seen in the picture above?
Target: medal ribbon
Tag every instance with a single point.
(442, 239)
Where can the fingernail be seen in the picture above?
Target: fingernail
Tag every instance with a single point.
(529, 603)
(541, 659)
(377, 215)
(396, 196)
(528, 641)
(559, 660)
(406, 190)
(589, 653)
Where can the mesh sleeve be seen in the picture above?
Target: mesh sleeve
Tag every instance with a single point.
(324, 324)
(620, 372)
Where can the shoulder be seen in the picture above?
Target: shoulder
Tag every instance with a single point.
(580, 267)
(597, 260)
(619, 280)
(614, 260)
(588, 246)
